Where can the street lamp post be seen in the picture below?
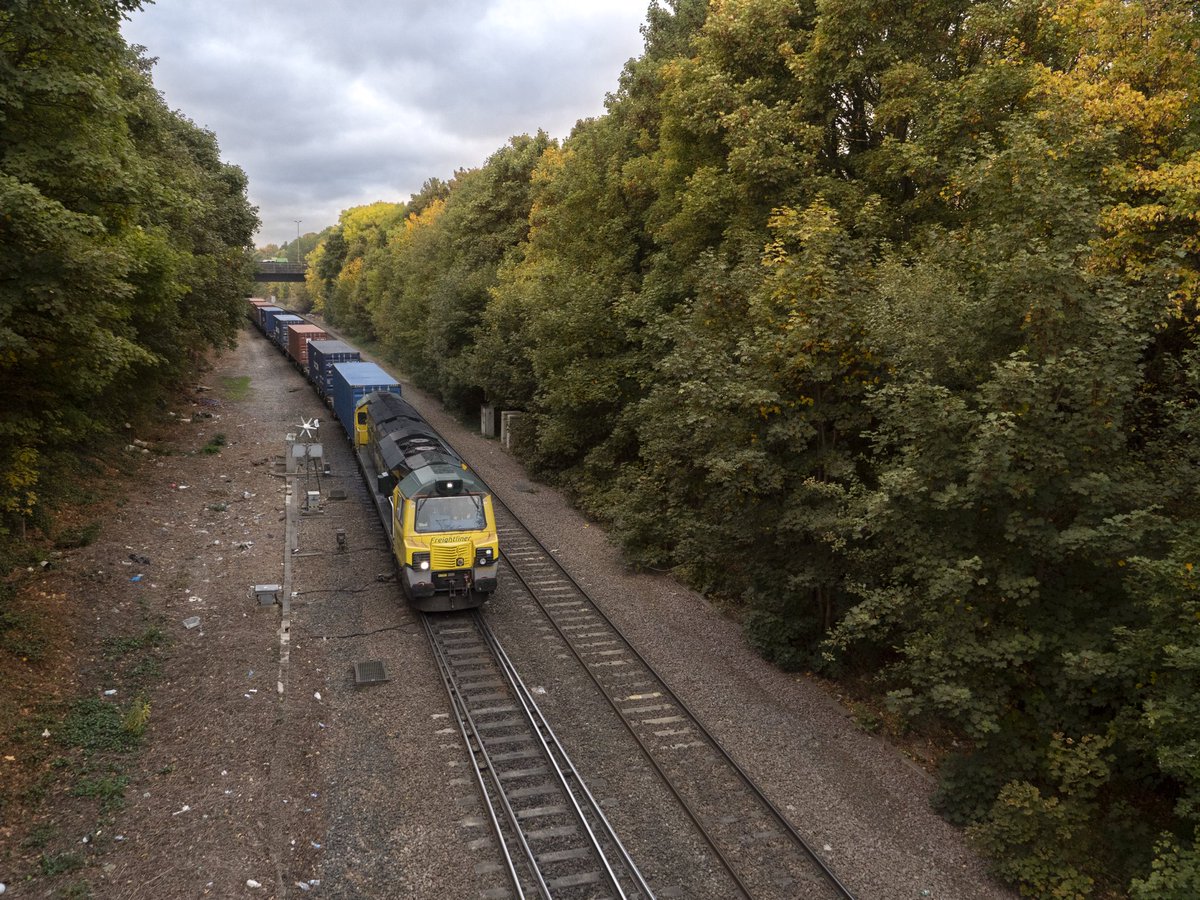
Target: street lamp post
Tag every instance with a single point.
(298, 221)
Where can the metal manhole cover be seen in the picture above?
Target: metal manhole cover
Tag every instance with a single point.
(370, 671)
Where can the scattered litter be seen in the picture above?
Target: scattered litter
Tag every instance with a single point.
(46, 733)
(137, 577)
(118, 837)
(111, 692)
(322, 724)
(538, 689)
(195, 599)
(224, 771)
(827, 848)
(317, 695)
(246, 495)
(139, 558)
(247, 696)
(303, 885)
(314, 795)
(251, 883)
(315, 845)
(191, 622)
(180, 487)
(180, 812)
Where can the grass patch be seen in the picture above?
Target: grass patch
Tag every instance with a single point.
(108, 789)
(235, 388)
(61, 863)
(22, 636)
(79, 536)
(152, 638)
(93, 725)
(214, 445)
(39, 837)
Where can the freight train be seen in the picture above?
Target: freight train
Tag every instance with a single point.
(437, 514)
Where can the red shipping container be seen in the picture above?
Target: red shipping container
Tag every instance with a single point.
(298, 338)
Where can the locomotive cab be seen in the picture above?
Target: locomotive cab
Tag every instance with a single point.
(438, 514)
(446, 536)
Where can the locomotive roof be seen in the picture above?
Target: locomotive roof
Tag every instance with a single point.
(411, 450)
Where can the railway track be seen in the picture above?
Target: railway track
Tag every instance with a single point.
(554, 839)
(763, 853)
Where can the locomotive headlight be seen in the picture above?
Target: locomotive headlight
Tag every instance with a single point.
(420, 561)
(484, 556)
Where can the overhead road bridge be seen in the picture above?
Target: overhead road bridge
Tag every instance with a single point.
(280, 271)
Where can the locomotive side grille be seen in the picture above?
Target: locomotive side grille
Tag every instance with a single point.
(458, 555)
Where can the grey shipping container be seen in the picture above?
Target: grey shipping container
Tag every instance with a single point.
(351, 382)
(321, 357)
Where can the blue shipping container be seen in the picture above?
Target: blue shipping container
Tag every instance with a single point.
(279, 329)
(321, 357)
(351, 382)
(266, 317)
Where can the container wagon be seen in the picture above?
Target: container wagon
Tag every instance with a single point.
(266, 318)
(298, 337)
(321, 357)
(351, 382)
(279, 329)
(253, 305)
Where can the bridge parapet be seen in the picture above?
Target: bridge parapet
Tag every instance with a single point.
(280, 271)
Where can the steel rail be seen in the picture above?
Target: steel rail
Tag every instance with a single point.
(554, 746)
(465, 720)
(746, 780)
(588, 818)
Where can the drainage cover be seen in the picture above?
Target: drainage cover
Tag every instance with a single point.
(370, 671)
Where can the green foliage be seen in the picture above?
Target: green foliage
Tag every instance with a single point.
(95, 725)
(880, 324)
(80, 536)
(108, 789)
(61, 863)
(123, 244)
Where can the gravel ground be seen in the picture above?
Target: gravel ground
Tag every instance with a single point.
(267, 772)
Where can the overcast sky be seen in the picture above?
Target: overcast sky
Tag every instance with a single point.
(328, 105)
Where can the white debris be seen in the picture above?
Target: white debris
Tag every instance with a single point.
(251, 883)
(191, 622)
(180, 812)
(112, 692)
(317, 695)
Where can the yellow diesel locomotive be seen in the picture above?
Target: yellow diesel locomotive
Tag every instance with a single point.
(437, 513)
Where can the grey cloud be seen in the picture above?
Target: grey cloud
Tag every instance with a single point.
(328, 106)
